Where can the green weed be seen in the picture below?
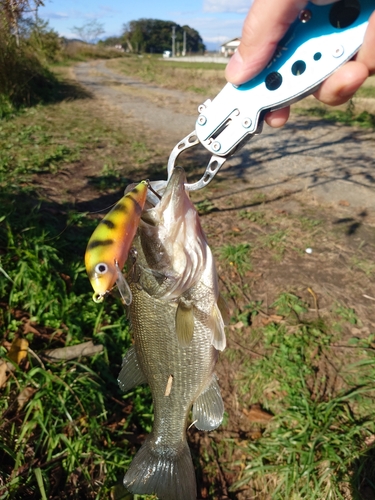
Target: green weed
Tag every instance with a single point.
(237, 256)
(276, 241)
(254, 216)
(205, 206)
(348, 117)
(346, 313)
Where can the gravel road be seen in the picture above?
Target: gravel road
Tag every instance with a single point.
(331, 163)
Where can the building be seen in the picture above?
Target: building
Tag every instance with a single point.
(230, 47)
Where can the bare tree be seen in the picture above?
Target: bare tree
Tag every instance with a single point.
(90, 31)
(13, 10)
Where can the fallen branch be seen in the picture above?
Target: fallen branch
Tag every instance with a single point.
(72, 351)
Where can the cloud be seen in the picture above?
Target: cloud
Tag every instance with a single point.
(55, 15)
(237, 6)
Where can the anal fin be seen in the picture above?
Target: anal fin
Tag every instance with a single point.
(208, 409)
(131, 373)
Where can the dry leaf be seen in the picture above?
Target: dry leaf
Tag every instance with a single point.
(28, 328)
(257, 415)
(370, 440)
(5, 370)
(73, 351)
(344, 203)
(18, 350)
(254, 435)
(24, 396)
(261, 320)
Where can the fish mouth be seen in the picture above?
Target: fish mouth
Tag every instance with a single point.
(176, 187)
(163, 194)
(172, 238)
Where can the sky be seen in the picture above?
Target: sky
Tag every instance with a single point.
(216, 21)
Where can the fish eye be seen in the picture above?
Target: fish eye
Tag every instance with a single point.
(101, 268)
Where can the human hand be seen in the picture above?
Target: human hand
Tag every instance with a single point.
(266, 24)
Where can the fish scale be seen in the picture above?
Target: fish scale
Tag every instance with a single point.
(191, 367)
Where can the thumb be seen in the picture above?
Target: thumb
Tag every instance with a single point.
(265, 25)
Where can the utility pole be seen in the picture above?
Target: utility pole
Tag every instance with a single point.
(173, 41)
(184, 45)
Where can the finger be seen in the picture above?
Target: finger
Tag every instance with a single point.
(366, 54)
(265, 25)
(341, 86)
(277, 118)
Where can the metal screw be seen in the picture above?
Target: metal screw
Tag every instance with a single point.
(246, 122)
(201, 107)
(305, 16)
(338, 51)
(216, 146)
(202, 120)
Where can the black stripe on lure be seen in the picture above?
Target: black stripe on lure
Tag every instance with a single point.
(109, 245)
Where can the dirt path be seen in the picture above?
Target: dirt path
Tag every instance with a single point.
(331, 163)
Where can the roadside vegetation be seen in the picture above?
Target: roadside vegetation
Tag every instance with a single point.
(26, 61)
(298, 374)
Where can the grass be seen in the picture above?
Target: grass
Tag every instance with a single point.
(73, 437)
(315, 445)
(350, 116)
(208, 78)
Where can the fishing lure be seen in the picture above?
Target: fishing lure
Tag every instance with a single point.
(109, 245)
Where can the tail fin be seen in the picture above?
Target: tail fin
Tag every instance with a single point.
(168, 473)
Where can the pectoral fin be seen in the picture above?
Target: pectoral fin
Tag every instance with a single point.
(184, 323)
(218, 339)
(123, 287)
(131, 373)
(208, 409)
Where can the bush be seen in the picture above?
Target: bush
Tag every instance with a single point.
(24, 80)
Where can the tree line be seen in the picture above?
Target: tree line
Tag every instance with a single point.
(155, 36)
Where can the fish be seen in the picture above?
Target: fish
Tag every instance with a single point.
(109, 245)
(178, 331)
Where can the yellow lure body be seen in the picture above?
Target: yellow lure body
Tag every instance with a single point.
(109, 245)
